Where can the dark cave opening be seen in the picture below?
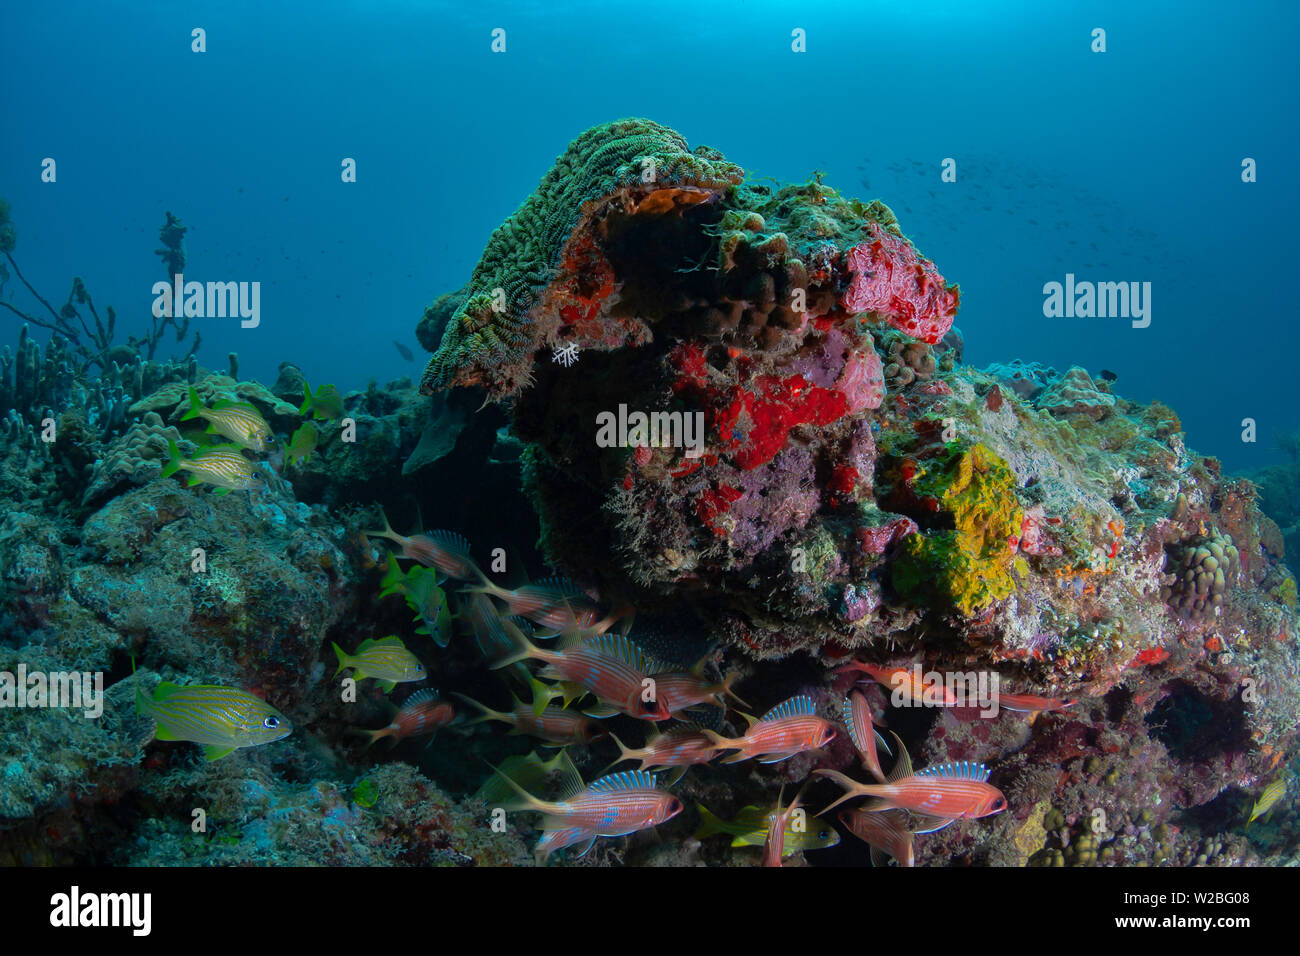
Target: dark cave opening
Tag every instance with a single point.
(1195, 727)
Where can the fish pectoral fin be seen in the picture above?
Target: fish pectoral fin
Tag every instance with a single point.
(601, 711)
(216, 752)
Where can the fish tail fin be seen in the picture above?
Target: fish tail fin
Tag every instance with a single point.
(723, 743)
(711, 824)
(306, 398)
(173, 459)
(485, 712)
(851, 788)
(502, 789)
(343, 658)
(388, 531)
(521, 649)
(196, 407)
(624, 753)
(725, 687)
(372, 736)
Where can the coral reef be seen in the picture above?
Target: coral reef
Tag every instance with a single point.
(857, 490)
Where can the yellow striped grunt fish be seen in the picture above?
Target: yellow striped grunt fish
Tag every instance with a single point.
(386, 659)
(1271, 795)
(240, 422)
(220, 719)
(749, 828)
(326, 403)
(302, 444)
(223, 465)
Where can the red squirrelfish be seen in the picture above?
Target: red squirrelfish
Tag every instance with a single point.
(447, 551)
(556, 604)
(614, 805)
(908, 682)
(680, 748)
(422, 713)
(1031, 703)
(885, 832)
(949, 791)
(682, 690)
(774, 845)
(785, 730)
(611, 667)
(557, 726)
(862, 731)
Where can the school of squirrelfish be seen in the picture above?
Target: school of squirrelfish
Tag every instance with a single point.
(582, 667)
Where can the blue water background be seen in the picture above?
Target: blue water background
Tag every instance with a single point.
(1134, 154)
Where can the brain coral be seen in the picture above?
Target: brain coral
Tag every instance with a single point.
(634, 164)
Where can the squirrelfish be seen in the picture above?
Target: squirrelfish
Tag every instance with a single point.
(614, 805)
(908, 682)
(326, 403)
(1032, 703)
(223, 465)
(949, 791)
(750, 827)
(785, 730)
(885, 831)
(681, 690)
(556, 604)
(557, 726)
(421, 713)
(447, 551)
(863, 733)
(386, 659)
(783, 818)
(681, 747)
(240, 422)
(611, 667)
(1271, 795)
(221, 719)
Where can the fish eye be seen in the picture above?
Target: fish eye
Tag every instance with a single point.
(271, 723)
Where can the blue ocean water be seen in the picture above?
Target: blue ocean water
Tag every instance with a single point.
(1115, 166)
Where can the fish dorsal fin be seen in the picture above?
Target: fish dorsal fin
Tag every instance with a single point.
(957, 770)
(563, 587)
(902, 764)
(391, 640)
(450, 540)
(624, 649)
(800, 706)
(239, 406)
(570, 784)
(165, 690)
(428, 695)
(624, 780)
(855, 734)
